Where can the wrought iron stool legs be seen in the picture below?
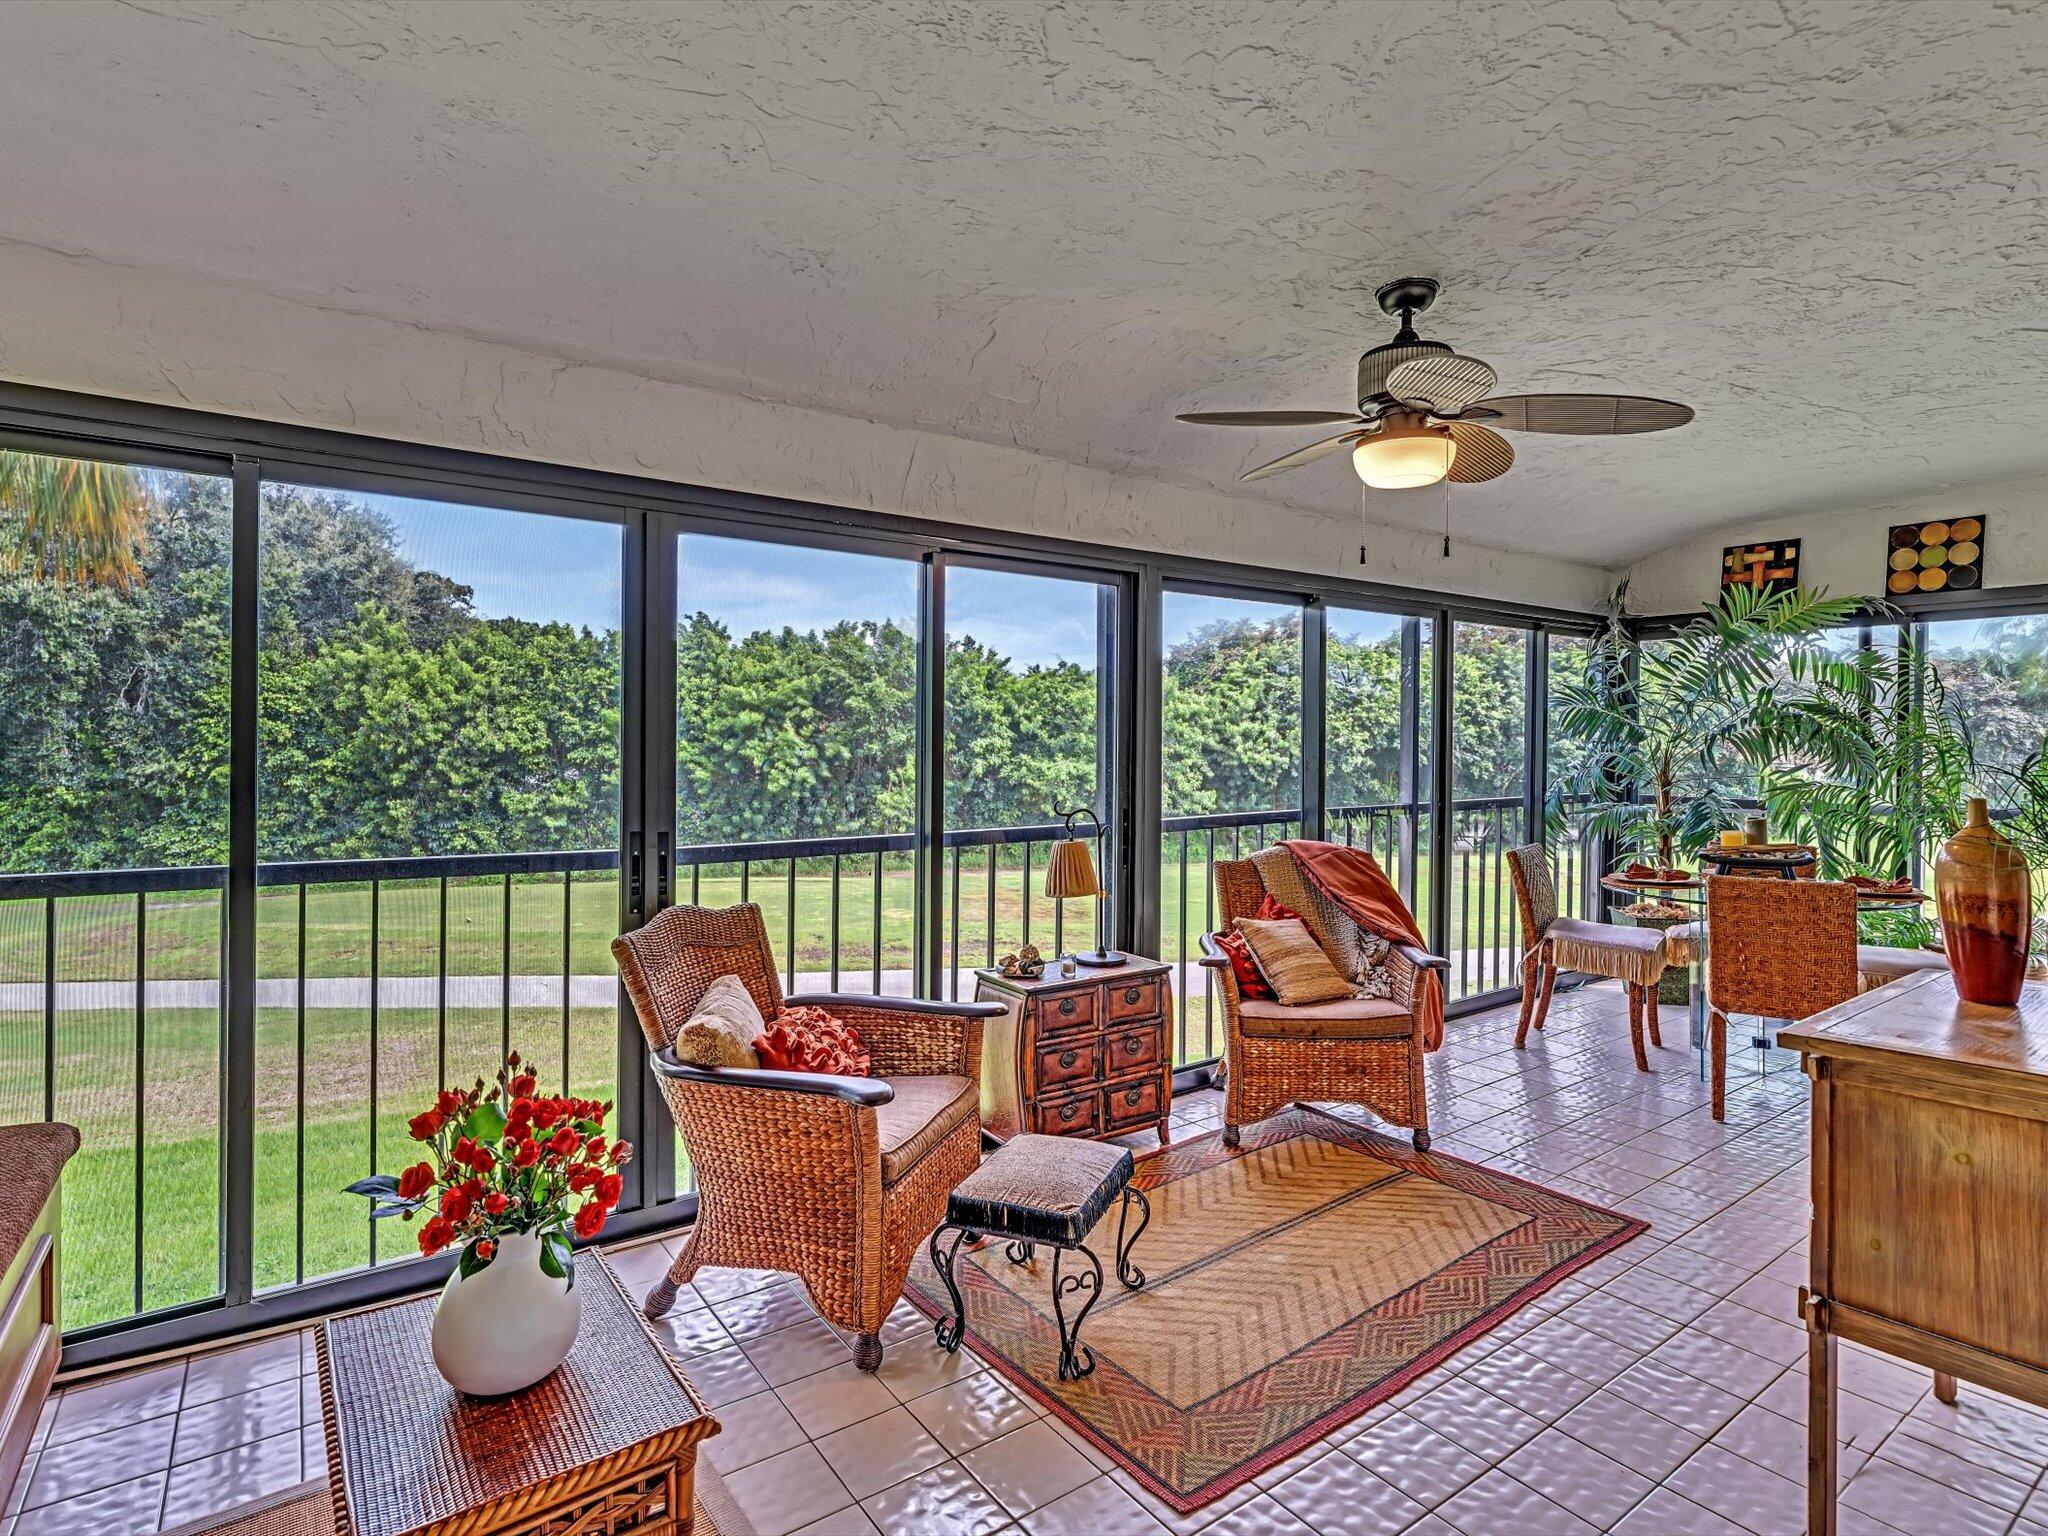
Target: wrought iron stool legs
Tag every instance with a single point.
(1076, 1359)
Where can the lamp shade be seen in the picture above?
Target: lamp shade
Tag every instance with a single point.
(1070, 871)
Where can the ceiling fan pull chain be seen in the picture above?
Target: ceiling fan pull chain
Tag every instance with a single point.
(1447, 518)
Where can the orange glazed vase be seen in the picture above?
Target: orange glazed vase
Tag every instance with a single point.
(1986, 896)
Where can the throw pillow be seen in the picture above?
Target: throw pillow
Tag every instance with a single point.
(1250, 984)
(1271, 911)
(811, 1040)
(720, 1033)
(1293, 963)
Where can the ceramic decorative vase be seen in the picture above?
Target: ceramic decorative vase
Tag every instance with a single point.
(507, 1325)
(1985, 892)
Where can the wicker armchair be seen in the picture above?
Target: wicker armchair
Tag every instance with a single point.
(1779, 949)
(1365, 1051)
(835, 1180)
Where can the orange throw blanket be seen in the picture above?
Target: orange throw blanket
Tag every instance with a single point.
(1353, 879)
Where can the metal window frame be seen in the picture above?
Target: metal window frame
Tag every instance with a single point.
(647, 511)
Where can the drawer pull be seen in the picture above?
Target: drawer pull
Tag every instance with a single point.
(1067, 1006)
(1131, 995)
(1066, 1058)
(1134, 1043)
(1131, 1095)
(1068, 1111)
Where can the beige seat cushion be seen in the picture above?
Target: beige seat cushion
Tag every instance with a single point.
(722, 1031)
(1350, 1018)
(1685, 943)
(1877, 964)
(925, 1111)
(1606, 949)
(1292, 962)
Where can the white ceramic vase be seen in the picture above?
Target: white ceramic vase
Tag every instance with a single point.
(507, 1325)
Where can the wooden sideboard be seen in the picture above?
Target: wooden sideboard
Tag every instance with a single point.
(1930, 1194)
(1084, 1055)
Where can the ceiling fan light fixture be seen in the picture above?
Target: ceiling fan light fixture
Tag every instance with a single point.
(1404, 455)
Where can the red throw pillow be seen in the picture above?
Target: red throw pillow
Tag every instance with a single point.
(812, 1040)
(1271, 911)
(1250, 984)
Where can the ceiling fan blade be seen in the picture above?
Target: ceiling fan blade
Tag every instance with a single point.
(1483, 454)
(1306, 455)
(1267, 418)
(1587, 415)
(1444, 381)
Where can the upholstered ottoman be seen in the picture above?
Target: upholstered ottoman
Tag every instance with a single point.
(1048, 1190)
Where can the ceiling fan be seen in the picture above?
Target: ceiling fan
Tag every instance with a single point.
(1421, 406)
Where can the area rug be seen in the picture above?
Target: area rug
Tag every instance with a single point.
(1290, 1286)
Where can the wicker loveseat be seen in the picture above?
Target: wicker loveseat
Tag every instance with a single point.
(835, 1180)
(1365, 1051)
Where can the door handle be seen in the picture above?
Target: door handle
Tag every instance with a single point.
(661, 897)
(634, 892)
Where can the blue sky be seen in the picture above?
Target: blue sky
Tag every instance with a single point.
(560, 569)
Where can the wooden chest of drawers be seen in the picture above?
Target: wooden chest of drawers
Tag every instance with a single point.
(1083, 1055)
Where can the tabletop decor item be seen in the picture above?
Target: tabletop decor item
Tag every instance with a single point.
(1070, 872)
(1027, 964)
(1930, 557)
(1984, 891)
(508, 1175)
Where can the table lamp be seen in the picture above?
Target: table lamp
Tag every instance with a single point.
(1070, 872)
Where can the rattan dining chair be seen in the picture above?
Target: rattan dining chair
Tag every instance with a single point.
(1778, 949)
(1552, 943)
(835, 1180)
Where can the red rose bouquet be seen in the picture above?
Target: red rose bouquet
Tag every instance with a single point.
(503, 1159)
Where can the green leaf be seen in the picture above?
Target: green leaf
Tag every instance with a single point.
(471, 1261)
(486, 1124)
(377, 1186)
(557, 1261)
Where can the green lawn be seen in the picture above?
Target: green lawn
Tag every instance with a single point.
(96, 1069)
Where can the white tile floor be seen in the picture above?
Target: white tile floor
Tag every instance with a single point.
(1658, 1393)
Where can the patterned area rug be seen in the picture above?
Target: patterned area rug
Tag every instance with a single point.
(1290, 1285)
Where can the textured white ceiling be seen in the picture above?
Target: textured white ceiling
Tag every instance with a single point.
(1056, 225)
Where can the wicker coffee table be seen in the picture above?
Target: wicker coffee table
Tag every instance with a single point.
(607, 1444)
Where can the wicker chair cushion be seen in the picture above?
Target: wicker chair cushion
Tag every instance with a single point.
(1349, 1018)
(1293, 963)
(1041, 1189)
(1877, 964)
(1606, 949)
(925, 1111)
(722, 1031)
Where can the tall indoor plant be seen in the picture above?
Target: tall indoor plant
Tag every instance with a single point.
(1676, 728)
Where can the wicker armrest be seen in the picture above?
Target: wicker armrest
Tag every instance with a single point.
(854, 1090)
(1212, 954)
(833, 1002)
(1422, 959)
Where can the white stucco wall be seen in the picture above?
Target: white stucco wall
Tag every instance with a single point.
(79, 324)
(1844, 548)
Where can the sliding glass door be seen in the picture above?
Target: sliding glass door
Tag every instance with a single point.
(1491, 697)
(1030, 730)
(1230, 762)
(114, 608)
(438, 824)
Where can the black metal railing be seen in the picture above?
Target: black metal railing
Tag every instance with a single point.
(381, 979)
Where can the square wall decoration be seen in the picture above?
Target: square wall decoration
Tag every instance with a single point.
(1931, 557)
(1770, 567)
